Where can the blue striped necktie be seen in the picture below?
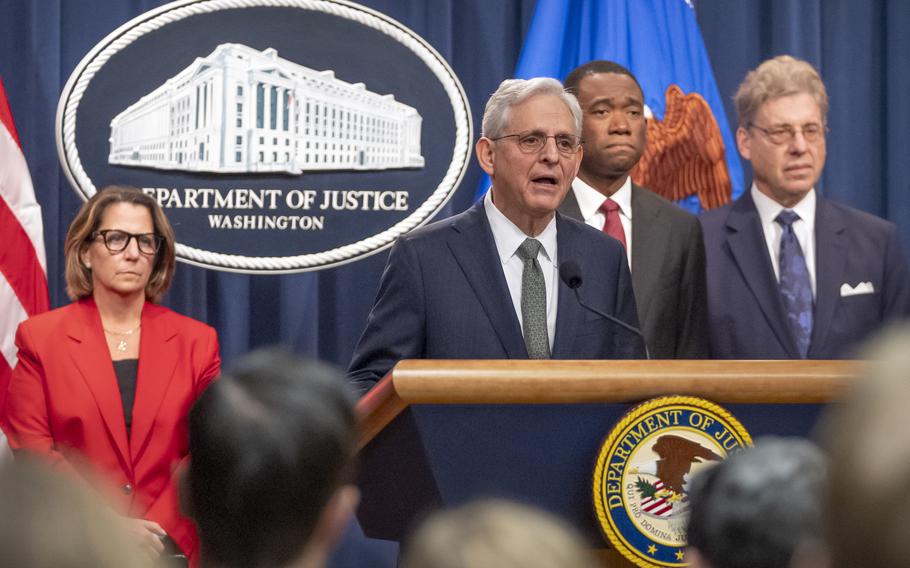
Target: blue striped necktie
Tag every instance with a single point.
(795, 286)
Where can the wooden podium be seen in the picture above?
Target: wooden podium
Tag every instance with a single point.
(439, 433)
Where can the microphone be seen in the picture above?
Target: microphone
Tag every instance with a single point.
(570, 274)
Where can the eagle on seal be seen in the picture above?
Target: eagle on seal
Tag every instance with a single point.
(684, 153)
(677, 454)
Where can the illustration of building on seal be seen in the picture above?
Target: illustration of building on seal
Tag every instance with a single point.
(241, 110)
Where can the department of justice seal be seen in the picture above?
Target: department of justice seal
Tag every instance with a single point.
(643, 469)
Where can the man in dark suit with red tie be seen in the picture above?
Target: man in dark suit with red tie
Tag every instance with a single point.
(792, 275)
(663, 242)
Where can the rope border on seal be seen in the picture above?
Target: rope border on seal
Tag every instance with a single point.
(175, 11)
(605, 522)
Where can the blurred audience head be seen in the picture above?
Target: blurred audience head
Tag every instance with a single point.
(47, 521)
(868, 445)
(84, 230)
(495, 534)
(271, 445)
(759, 508)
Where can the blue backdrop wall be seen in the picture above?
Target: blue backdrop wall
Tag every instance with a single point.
(856, 44)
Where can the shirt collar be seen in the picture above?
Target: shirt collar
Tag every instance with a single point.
(508, 237)
(768, 209)
(590, 200)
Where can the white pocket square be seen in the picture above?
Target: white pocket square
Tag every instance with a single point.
(861, 288)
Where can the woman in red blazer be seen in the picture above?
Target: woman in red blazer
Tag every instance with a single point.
(103, 386)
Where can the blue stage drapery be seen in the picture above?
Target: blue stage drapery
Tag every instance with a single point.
(860, 47)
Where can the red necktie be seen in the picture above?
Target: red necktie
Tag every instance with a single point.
(613, 225)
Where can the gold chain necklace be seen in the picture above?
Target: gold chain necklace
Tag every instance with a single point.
(121, 345)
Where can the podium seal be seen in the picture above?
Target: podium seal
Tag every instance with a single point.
(643, 469)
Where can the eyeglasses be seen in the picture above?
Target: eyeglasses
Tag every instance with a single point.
(785, 134)
(117, 241)
(533, 142)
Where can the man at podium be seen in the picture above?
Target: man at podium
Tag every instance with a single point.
(509, 278)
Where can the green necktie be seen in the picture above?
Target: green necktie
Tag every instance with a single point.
(533, 301)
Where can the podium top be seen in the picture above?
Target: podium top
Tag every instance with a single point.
(579, 382)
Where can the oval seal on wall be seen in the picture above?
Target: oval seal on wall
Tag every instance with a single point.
(642, 474)
(278, 135)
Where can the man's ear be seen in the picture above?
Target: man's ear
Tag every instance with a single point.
(811, 553)
(335, 517)
(695, 559)
(486, 156)
(744, 143)
(579, 158)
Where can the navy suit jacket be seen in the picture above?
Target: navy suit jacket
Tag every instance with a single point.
(746, 313)
(443, 295)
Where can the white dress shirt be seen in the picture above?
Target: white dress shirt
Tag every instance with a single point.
(508, 237)
(803, 228)
(590, 200)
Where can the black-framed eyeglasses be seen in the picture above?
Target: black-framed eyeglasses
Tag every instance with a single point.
(533, 142)
(785, 134)
(116, 240)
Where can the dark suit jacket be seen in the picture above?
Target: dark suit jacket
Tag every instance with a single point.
(747, 317)
(64, 404)
(668, 275)
(443, 295)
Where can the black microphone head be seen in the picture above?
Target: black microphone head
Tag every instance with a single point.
(570, 274)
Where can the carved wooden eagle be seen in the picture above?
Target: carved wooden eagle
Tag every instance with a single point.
(677, 455)
(684, 154)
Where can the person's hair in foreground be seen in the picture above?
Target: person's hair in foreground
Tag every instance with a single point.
(867, 442)
(48, 521)
(495, 534)
(272, 444)
(759, 507)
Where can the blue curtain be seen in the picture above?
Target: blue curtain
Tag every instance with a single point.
(861, 48)
(316, 314)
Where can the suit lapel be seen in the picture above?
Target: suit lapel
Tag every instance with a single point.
(569, 313)
(831, 252)
(649, 238)
(569, 206)
(747, 245)
(90, 355)
(473, 247)
(158, 355)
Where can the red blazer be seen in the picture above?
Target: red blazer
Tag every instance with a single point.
(64, 403)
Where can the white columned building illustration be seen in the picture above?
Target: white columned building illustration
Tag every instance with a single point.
(242, 110)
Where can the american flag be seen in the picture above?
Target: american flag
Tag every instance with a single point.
(23, 268)
(660, 507)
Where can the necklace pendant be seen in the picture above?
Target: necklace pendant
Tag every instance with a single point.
(122, 345)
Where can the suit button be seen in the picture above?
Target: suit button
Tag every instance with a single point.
(127, 489)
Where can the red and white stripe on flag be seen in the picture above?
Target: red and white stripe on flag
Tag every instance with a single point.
(23, 268)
